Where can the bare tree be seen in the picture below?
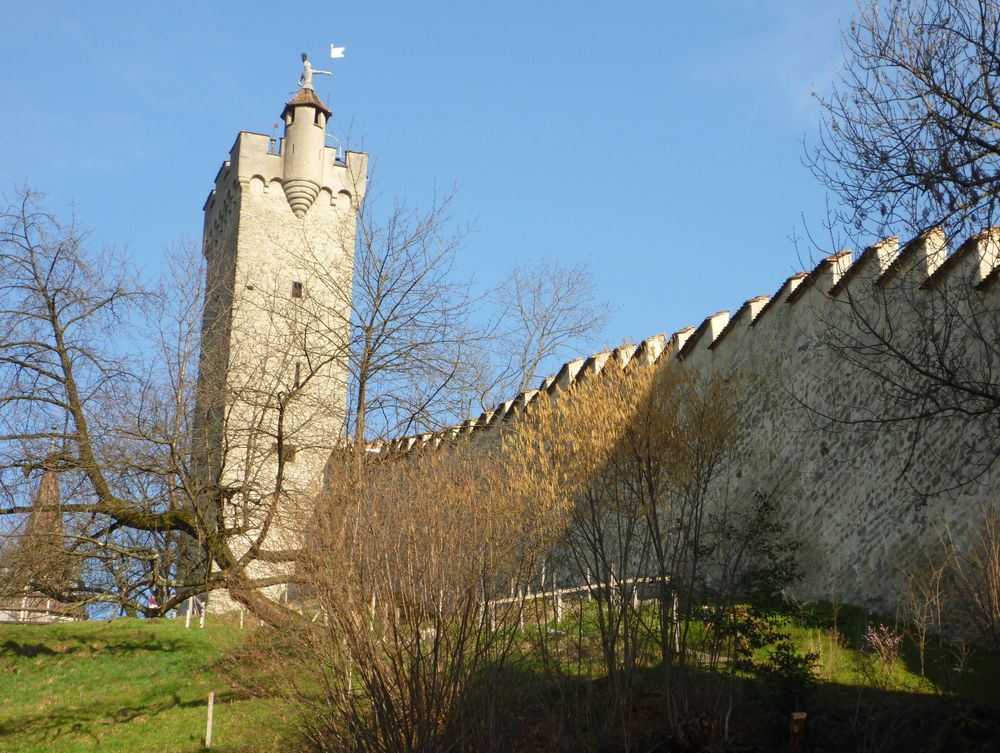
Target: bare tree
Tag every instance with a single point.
(414, 341)
(910, 143)
(58, 309)
(402, 320)
(411, 566)
(420, 345)
(576, 439)
(972, 581)
(911, 132)
(84, 396)
(644, 460)
(101, 376)
(546, 310)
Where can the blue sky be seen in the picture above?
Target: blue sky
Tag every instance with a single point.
(660, 140)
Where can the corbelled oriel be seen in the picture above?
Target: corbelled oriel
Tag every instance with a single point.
(305, 117)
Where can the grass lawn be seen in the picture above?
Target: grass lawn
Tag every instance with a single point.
(836, 636)
(141, 686)
(128, 685)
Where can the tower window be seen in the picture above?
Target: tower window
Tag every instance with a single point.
(296, 290)
(288, 451)
(297, 375)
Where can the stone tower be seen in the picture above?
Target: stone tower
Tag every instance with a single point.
(278, 242)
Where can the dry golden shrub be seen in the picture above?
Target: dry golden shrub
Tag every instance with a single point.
(409, 570)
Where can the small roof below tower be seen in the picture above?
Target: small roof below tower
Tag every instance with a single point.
(307, 97)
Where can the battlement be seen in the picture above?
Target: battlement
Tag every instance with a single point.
(925, 261)
(863, 497)
(253, 165)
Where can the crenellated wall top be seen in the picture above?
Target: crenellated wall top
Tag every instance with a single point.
(923, 263)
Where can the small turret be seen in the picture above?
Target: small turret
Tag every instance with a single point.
(305, 117)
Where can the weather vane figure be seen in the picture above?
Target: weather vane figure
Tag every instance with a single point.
(306, 79)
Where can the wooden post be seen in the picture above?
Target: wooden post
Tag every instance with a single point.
(211, 713)
(187, 620)
(613, 588)
(488, 620)
(241, 618)
(520, 610)
(798, 730)
(677, 624)
(350, 674)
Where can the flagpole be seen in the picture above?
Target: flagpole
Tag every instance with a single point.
(335, 53)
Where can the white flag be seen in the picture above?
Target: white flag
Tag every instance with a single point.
(337, 52)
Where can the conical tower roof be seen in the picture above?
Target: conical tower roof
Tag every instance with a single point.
(306, 96)
(45, 519)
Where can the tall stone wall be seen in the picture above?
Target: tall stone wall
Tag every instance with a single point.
(871, 466)
(849, 424)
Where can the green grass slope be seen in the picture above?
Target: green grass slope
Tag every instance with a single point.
(141, 686)
(128, 685)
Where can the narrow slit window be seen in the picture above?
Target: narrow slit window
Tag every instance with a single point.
(288, 451)
(296, 290)
(297, 375)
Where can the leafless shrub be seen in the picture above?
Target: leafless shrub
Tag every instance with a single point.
(923, 603)
(972, 579)
(409, 568)
(638, 457)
